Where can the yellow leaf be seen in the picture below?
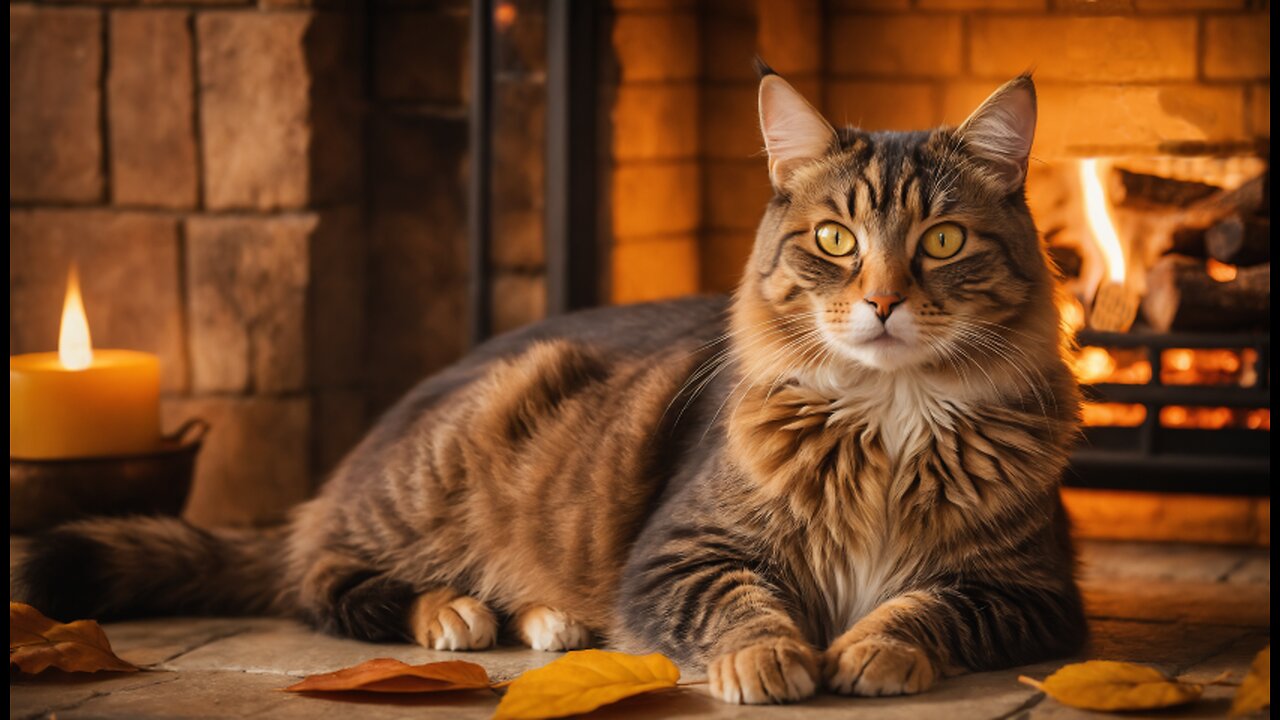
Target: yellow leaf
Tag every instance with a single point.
(1255, 692)
(582, 681)
(37, 643)
(1108, 685)
(392, 676)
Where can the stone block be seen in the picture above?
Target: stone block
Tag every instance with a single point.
(517, 240)
(149, 109)
(129, 274)
(730, 122)
(789, 35)
(55, 141)
(254, 463)
(737, 193)
(247, 285)
(1237, 47)
(653, 122)
(730, 41)
(899, 46)
(655, 269)
(419, 56)
(876, 105)
(1102, 49)
(657, 46)
(656, 198)
(518, 299)
(519, 143)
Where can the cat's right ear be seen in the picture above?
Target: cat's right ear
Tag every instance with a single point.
(795, 133)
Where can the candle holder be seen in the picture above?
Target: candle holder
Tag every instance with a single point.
(45, 493)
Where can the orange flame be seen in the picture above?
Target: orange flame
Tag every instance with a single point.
(1220, 271)
(1101, 225)
(75, 349)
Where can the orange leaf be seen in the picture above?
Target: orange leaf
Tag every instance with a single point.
(1255, 692)
(1111, 686)
(392, 676)
(582, 681)
(37, 643)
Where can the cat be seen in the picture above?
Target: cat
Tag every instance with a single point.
(845, 476)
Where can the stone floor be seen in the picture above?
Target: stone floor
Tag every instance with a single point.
(1193, 611)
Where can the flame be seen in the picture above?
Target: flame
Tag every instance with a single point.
(75, 350)
(1220, 271)
(1094, 365)
(1100, 222)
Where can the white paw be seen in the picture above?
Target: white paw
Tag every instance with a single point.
(462, 623)
(543, 628)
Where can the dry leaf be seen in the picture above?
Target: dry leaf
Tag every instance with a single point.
(37, 643)
(1108, 685)
(582, 681)
(1255, 692)
(392, 676)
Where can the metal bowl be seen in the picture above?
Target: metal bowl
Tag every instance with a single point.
(45, 493)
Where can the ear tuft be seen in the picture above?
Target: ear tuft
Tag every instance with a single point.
(1000, 131)
(795, 133)
(762, 68)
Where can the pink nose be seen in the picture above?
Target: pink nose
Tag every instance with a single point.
(884, 304)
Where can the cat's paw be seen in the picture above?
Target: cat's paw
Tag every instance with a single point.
(544, 628)
(773, 671)
(457, 623)
(877, 665)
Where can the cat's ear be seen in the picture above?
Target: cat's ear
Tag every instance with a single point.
(1000, 131)
(794, 131)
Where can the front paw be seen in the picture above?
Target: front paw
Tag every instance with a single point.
(772, 671)
(877, 665)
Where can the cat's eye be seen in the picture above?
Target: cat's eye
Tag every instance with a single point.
(835, 239)
(943, 240)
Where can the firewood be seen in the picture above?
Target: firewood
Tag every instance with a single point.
(1240, 240)
(1182, 296)
(1248, 199)
(1139, 190)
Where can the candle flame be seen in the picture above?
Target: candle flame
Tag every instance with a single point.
(1100, 223)
(75, 350)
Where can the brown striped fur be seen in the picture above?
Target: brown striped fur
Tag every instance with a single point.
(797, 489)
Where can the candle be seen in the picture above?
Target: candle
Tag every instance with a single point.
(81, 402)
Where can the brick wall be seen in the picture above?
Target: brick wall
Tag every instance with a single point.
(1115, 77)
(198, 162)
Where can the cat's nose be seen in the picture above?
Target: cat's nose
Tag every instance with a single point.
(884, 303)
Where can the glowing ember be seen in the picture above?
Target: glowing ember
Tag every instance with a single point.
(1220, 271)
(1094, 365)
(1100, 223)
(1112, 414)
(75, 350)
(1183, 366)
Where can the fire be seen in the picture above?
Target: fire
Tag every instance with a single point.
(1184, 366)
(1100, 222)
(1094, 365)
(1220, 271)
(1112, 414)
(75, 349)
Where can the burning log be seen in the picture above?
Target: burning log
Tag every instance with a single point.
(1152, 192)
(1182, 296)
(1190, 235)
(1240, 240)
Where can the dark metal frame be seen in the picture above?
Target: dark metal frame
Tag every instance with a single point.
(1151, 457)
(479, 188)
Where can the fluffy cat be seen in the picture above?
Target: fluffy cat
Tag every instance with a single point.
(846, 476)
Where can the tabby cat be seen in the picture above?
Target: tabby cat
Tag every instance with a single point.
(846, 476)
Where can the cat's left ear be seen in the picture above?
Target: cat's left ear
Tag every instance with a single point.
(795, 133)
(1000, 131)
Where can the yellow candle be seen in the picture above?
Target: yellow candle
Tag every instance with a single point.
(79, 402)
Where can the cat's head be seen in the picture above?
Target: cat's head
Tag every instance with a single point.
(897, 250)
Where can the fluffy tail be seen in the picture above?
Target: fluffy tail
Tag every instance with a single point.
(112, 568)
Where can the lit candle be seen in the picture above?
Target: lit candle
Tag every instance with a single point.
(81, 402)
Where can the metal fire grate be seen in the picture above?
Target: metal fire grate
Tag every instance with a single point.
(1235, 461)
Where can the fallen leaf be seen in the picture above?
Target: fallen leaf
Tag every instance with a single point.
(392, 676)
(1255, 692)
(1108, 685)
(37, 643)
(582, 681)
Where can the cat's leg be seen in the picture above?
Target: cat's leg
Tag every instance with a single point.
(697, 599)
(544, 628)
(444, 619)
(907, 643)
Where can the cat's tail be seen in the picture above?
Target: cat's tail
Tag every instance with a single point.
(111, 568)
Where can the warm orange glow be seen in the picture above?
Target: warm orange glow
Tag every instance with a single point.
(1123, 367)
(1183, 366)
(1220, 271)
(1094, 365)
(75, 349)
(1202, 418)
(504, 15)
(1258, 419)
(1112, 414)
(1101, 226)
(1071, 312)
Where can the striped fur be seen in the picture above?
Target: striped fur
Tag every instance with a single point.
(787, 488)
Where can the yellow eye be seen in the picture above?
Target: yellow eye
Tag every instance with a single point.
(835, 239)
(943, 240)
